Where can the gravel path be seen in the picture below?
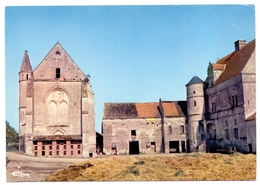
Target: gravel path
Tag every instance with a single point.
(23, 168)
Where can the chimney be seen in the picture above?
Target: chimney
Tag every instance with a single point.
(239, 44)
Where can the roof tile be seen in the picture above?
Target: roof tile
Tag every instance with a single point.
(235, 61)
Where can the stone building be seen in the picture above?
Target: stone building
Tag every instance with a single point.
(219, 112)
(230, 99)
(154, 127)
(56, 107)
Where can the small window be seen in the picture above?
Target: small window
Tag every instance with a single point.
(182, 129)
(226, 122)
(35, 148)
(71, 146)
(64, 153)
(58, 153)
(27, 76)
(43, 147)
(235, 122)
(71, 152)
(234, 101)
(133, 132)
(78, 151)
(50, 152)
(194, 103)
(170, 129)
(235, 133)
(78, 146)
(113, 146)
(50, 147)
(43, 153)
(57, 147)
(57, 72)
(64, 147)
(213, 105)
(227, 134)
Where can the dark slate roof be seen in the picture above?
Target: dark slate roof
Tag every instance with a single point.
(26, 65)
(144, 110)
(120, 110)
(235, 61)
(194, 80)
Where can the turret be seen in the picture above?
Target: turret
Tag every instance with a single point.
(25, 87)
(195, 111)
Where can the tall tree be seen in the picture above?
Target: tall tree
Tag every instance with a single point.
(11, 134)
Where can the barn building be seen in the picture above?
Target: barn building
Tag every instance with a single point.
(153, 127)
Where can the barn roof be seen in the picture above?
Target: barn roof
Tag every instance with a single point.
(144, 110)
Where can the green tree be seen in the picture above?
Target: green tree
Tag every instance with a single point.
(11, 134)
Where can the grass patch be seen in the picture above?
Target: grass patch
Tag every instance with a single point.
(186, 167)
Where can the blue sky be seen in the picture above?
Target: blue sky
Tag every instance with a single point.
(132, 53)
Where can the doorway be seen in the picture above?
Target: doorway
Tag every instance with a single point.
(174, 147)
(153, 147)
(133, 147)
(183, 146)
(250, 148)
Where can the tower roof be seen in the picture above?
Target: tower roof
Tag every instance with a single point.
(195, 80)
(26, 65)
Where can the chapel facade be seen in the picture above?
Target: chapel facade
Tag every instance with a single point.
(56, 107)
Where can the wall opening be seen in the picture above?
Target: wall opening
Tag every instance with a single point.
(183, 149)
(133, 132)
(250, 148)
(174, 147)
(153, 146)
(57, 72)
(133, 147)
(114, 148)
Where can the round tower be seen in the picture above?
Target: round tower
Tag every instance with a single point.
(195, 112)
(25, 76)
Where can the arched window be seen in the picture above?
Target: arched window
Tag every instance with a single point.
(58, 108)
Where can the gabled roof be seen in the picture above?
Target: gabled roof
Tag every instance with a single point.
(235, 61)
(194, 80)
(58, 57)
(219, 66)
(26, 64)
(148, 110)
(144, 110)
(120, 110)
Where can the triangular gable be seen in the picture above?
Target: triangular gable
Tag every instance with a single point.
(59, 59)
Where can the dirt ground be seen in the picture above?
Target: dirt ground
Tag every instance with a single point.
(23, 168)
